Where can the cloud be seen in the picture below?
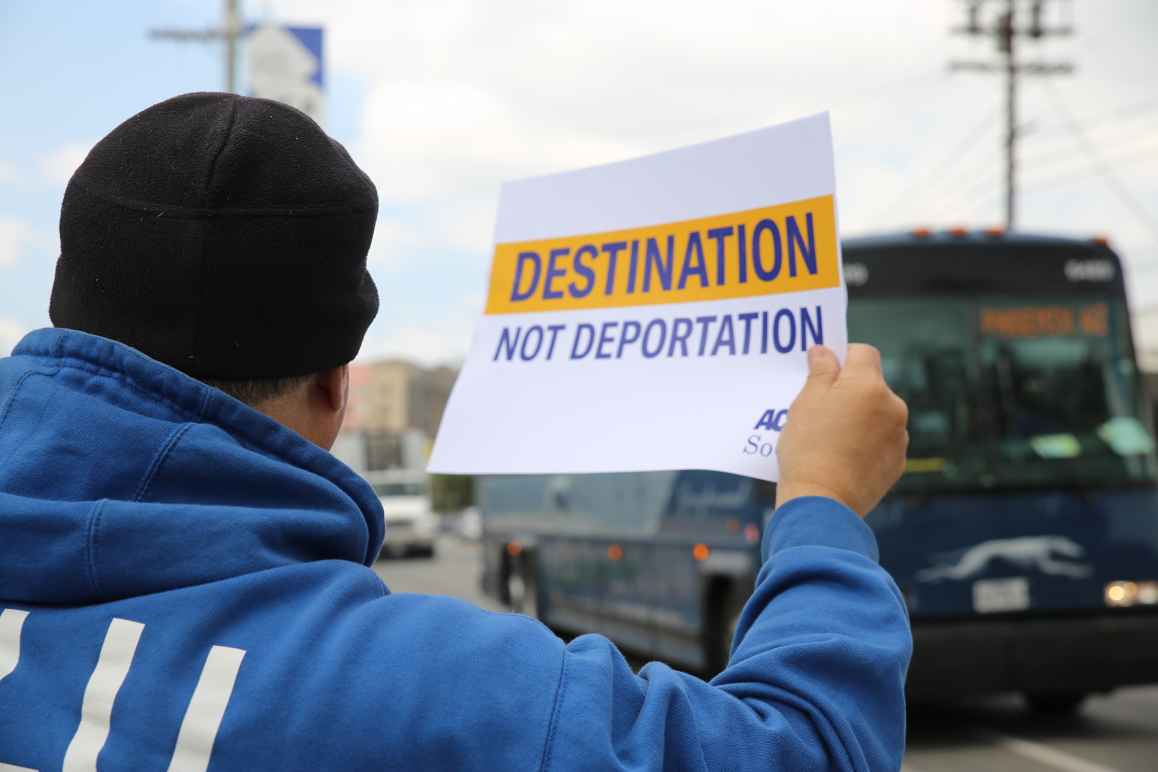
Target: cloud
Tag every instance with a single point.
(10, 334)
(57, 165)
(15, 237)
(429, 345)
(459, 96)
(395, 239)
(411, 235)
(8, 172)
(450, 108)
(424, 140)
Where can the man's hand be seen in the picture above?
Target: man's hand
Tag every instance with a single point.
(846, 436)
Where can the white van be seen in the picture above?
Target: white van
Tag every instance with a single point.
(410, 522)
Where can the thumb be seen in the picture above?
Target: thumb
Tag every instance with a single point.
(823, 367)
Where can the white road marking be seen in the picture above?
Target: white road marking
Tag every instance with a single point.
(1042, 754)
(13, 768)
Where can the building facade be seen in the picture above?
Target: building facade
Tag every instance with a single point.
(393, 415)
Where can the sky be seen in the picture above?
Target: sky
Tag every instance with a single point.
(440, 102)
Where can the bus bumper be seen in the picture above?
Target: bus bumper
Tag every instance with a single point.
(1083, 654)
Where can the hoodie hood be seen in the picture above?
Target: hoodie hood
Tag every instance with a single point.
(120, 476)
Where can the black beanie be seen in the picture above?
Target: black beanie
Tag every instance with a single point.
(223, 235)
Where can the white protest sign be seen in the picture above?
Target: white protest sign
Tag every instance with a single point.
(653, 314)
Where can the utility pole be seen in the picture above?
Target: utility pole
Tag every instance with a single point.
(1005, 30)
(232, 29)
(229, 32)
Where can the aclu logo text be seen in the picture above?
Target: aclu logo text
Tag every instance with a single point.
(772, 420)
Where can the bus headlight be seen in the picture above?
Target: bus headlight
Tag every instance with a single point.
(1123, 594)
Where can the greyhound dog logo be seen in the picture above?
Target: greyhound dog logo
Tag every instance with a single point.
(1054, 555)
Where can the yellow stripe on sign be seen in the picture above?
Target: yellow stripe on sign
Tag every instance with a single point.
(776, 249)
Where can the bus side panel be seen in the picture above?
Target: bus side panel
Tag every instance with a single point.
(598, 560)
(707, 551)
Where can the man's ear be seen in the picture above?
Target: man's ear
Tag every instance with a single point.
(334, 387)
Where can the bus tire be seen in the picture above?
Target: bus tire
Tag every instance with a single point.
(725, 602)
(1057, 704)
(503, 583)
(523, 587)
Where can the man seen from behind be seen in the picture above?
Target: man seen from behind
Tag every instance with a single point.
(184, 568)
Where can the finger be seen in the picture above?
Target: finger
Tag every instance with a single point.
(823, 367)
(863, 361)
(862, 354)
(902, 409)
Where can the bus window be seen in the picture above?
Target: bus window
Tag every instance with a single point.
(624, 503)
(387, 489)
(1067, 405)
(1007, 393)
(930, 366)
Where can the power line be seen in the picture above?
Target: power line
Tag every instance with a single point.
(959, 150)
(1115, 115)
(1117, 136)
(984, 177)
(1073, 173)
(1103, 169)
(1061, 162)
(1060, 155)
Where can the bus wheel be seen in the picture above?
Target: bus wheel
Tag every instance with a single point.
(724, 617)
(523, 589)
(1055, 703)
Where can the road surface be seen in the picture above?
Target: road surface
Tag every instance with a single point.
(1117, 733)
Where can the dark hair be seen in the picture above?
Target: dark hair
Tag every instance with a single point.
(254, 392)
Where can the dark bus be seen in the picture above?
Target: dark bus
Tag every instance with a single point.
(1023, 535)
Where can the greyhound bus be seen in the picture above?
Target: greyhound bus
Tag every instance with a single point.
(1023, 534)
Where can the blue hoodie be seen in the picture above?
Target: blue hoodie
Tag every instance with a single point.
(185, 585)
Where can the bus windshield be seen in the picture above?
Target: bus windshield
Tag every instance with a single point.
(1012, 393)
